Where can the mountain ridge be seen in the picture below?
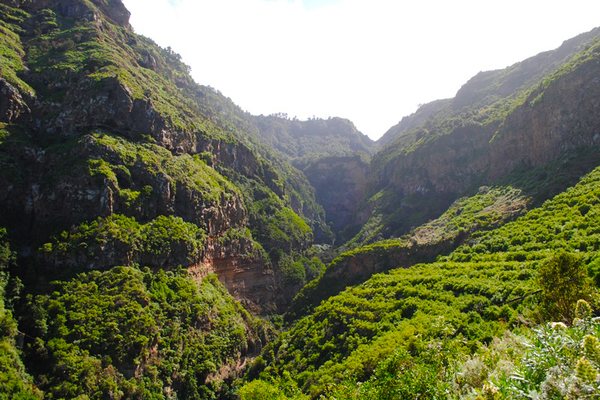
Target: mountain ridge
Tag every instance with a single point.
(457, 148)
(145, 215)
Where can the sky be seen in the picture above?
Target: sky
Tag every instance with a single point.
(371, 61)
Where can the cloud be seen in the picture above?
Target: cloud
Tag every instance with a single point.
(371, 61)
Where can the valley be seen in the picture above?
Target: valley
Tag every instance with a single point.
(158, 242)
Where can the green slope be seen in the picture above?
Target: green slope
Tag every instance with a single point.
(468, 295)
(100, 121)
(523, 116)
(126, 333)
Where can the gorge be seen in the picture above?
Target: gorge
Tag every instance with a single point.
(158, 242)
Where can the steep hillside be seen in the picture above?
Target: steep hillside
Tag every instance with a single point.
(147, 222)
(524, 116)
(141, 217)
(411, 122)
(307, 141)
(441, 310)
(105, 136)
(333, 155)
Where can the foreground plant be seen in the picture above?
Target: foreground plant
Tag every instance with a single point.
(554, 361)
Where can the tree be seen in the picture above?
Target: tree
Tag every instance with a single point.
(563, 280)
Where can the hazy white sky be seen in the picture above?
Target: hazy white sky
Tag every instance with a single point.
(371, 61)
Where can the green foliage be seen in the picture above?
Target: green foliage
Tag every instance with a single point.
(136, 332)
(7, 256)
(257, 390)
(120, 157)
(344, 330)
(163, 232)
(401, 376)
(15, 383)
(478, 288)
(563, 280)
(164, 241)
(285, 230)
(11, 48)
(551, 361)
(283, 234)
(282, 389)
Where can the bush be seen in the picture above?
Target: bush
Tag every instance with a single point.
(563, 280)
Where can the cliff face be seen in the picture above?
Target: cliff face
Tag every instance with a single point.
(340, 183)
(107, 143)
(526, 115)
(558, 116)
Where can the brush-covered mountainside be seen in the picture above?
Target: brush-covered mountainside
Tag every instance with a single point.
(158, 242)
(521, 117)
(419, 329)
(139, 213)
(488, 217)
(112, 155)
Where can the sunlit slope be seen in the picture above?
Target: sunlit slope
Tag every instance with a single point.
(472, 293)
(523, 116)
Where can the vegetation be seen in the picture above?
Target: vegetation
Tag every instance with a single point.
(469, 134)
(137, 334)
(162, 242)
(15, 383)
(303, 142)
(471, 296)
(117, 172)
(549, 361)
(488, 209)
(563, 281)
(11, 65)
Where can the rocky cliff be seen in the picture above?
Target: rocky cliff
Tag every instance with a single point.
(340, 184)
(108, 143)
(524, 116)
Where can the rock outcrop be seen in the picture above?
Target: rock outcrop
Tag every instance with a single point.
(560, 115)
(103, 129)
(340, 183)
(525, 115)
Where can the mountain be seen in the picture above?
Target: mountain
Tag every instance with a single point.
(427, 189)
(157, 241)
(304, 142)
(478, 197)
(105, 133)
(521, 117)
(140, 215)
